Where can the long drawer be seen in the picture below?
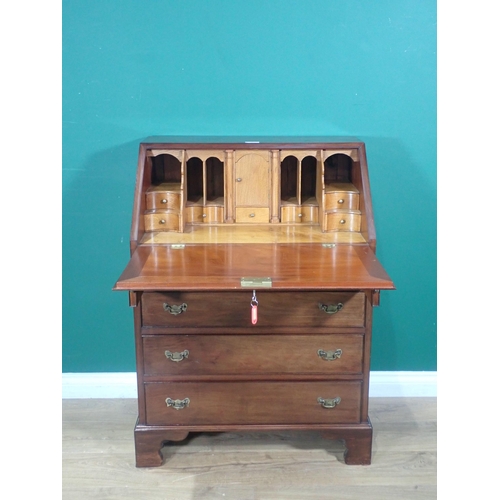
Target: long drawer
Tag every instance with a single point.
(232, 309)
(226, 403)
(252, 354)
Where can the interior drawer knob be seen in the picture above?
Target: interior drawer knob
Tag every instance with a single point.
(340, 202)
(329, 355)
(177, 356)
(329, 403)
(173, 309)
(331, 308)
(164, 201)
(178, 404)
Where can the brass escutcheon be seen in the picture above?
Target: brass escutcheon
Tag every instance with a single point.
(173, 309)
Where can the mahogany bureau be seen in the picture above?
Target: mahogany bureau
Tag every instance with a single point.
(252, 277)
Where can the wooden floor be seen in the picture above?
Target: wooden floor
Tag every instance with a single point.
(98, 459)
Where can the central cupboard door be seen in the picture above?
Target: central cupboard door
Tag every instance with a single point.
(252, 187)
(252, 179)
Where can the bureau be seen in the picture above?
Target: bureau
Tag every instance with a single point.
(252, 278)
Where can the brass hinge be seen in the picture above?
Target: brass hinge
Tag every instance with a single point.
(256, 282)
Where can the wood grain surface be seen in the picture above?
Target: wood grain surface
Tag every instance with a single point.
(216, 267)
(231, 309)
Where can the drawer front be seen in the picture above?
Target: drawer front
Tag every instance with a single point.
(341, 200)
(163, 200)
(252, 215)
(207, 215)
(252, 354)
(162, 221)
(194, 214)
(213, 215)
(336, 221)
(305, 214)
(226, 403)
(232, 309)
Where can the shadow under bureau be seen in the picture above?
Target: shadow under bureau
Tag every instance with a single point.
(252, 277)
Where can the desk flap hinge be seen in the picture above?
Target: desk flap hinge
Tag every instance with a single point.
(256, 282)
(177, 246)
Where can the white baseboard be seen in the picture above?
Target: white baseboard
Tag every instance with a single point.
(123, 385)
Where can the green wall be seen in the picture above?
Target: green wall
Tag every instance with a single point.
(133, 69)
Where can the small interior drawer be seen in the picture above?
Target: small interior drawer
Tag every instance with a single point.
(341, 200)
(342, 221)
(198, 214)
(163, 200)
(252, 215)
(299, 214)
(162, 221)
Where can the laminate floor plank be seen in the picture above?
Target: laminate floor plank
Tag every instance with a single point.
(99, 462)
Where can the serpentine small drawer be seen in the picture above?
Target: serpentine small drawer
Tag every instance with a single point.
(227, 403)
(161, 220)
(232, 309)
(158, 199)
(257, 354)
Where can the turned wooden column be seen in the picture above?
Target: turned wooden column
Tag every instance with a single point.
(275, 186)
(229, 186)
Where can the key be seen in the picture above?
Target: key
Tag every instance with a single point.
(253, 308)
(254, 314)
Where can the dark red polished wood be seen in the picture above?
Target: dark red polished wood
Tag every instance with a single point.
(202, 365)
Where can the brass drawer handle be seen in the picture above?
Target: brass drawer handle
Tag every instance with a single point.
(177, 356)
(342, 221)
(239, 179)
(329, 355)
(175, 310)
(252, 215)
(178, 404)
(340, 202)
(329, 403)
(162, 221)
(331, 309)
